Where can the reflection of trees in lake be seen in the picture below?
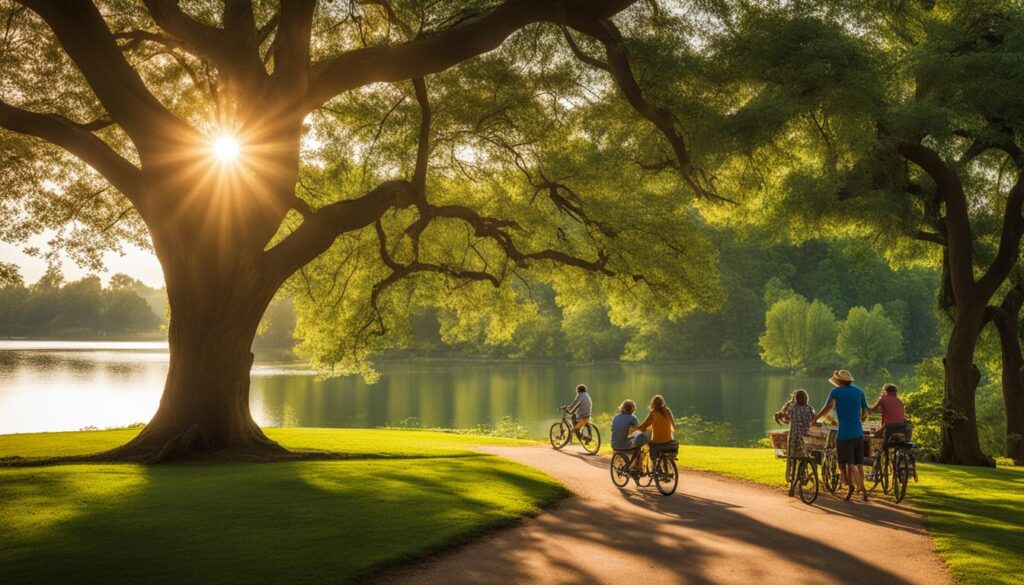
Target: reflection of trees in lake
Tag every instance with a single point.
(436, 394)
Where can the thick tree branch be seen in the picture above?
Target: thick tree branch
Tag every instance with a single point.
(581, 55)
(930, 237)
(83, 33)
(205, 40)
(268, 27)
(321, 227)
(291, 49)
(419, 176)
(957, 218)
(1009, 242)
(77, 140)
(241, 49)
(435, 53)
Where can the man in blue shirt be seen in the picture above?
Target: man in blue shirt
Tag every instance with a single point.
(851, 409)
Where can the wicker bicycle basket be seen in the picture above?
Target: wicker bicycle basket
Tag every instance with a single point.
(780, 442)
(818, 438)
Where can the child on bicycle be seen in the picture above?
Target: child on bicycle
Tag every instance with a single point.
(581, 408)
(799, 415)
(623, 426)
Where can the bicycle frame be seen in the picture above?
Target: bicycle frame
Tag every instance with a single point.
(637, 457)
(567, 418)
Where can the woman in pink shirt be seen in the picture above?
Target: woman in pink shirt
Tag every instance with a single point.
(894, 416)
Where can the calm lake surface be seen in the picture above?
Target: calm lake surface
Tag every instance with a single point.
(57, 386)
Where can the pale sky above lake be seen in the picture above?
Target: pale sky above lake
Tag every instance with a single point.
(137, 263)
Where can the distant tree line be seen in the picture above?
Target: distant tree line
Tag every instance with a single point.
(758, 280)
(804, 336)
(890, 314)
(83, 308)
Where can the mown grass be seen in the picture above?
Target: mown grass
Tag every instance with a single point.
(295, 522)
(976, 515)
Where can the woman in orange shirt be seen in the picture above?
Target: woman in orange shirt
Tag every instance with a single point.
(662, 423)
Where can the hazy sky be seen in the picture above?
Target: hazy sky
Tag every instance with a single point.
(137, 263)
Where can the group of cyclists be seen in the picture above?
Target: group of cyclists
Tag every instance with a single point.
(629, 434)
(657, 430)
(850, 406)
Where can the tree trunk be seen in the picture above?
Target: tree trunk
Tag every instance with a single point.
(1008, 325)
(960, 429)
(205, 403)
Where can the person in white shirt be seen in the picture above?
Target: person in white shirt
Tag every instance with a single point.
(581, 408)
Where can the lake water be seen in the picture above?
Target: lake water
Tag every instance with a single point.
(56, 386)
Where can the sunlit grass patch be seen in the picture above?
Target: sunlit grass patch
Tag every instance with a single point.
(294, 522)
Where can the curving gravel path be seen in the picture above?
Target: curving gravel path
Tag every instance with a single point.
(713, 530)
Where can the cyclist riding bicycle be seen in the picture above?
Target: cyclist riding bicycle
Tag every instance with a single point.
(623, 426)
(661, 421)
(580, 408)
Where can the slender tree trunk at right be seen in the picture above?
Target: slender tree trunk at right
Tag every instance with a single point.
(960, 443)
(1006, 319)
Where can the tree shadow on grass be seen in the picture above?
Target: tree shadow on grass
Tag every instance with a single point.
(309, 522)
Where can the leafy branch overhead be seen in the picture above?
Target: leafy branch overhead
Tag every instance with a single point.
(381, 141)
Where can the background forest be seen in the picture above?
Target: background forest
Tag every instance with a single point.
(839, 275)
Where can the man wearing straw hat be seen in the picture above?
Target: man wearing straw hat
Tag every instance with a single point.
(851, 409)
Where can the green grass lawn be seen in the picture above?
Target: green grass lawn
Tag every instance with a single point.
(976, 515)
(294, 522)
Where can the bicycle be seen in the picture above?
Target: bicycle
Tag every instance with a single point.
(893, 471)
(831, 475)
(802, 475)
(562, 432)
(802, 466)
(663, 470)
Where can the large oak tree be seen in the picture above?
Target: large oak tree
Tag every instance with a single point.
(391, 152)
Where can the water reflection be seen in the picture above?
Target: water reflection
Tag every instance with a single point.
(63, 388)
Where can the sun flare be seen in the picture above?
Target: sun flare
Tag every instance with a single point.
(226, 148)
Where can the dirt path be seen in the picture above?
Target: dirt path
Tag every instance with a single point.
(712, 531)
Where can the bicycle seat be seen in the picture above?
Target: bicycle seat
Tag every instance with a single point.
(672, 447)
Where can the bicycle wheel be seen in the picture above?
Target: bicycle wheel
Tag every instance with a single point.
(559, 435)
(590, 437)
(876, 472)
(830, 472)
(807, 481)
(645, 478)
(887, 474)
(900, 476)
(620, 470)
(666, 475)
